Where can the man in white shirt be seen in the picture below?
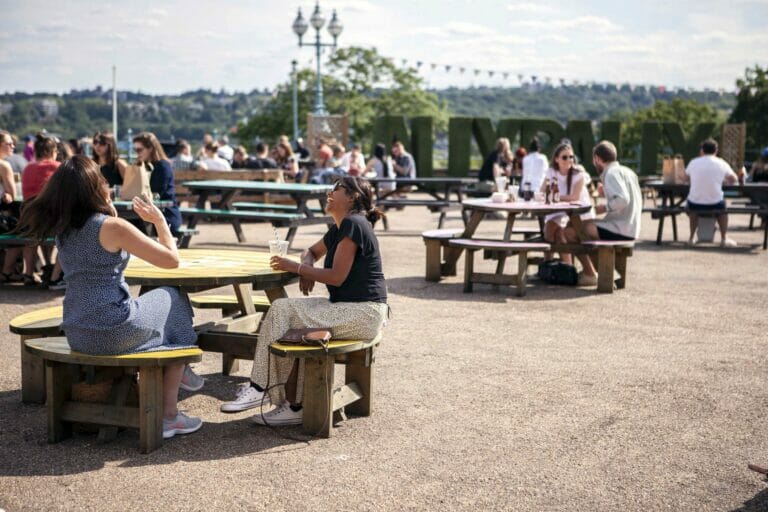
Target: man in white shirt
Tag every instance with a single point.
(534, 167)
(706, 174)
(353, 162)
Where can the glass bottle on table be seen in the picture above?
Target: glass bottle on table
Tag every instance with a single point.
(527, 191)
(555, 192)
(547, 191)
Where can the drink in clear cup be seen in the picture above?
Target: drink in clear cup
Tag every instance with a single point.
(278, 248)
(501, 184)
(513, 191)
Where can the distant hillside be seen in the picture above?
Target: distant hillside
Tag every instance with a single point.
(564, 103)
(194, 113)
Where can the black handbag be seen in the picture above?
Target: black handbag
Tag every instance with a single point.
(7, 223)
(557, 272)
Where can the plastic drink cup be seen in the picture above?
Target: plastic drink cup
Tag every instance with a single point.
(501, 184)
(513, 191)
(278, 248)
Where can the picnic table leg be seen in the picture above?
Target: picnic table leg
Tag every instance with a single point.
(318, 396)
(441, 219)
(117, 397)
(621, 267)
(238, 230)
(58, 389)
(522, 272)
(32, 375)
(507, 235)
(150, 408)
(291, 235)
(452, 254)
(606, 265)
(674, 227)
(359, 369)
(229, 363)
(275, 293)
(661, 229)
(469, 264)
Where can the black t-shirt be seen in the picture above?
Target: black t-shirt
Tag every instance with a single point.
(365, 282)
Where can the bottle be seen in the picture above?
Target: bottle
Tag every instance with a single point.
(527, 191)
(547, 191)
(555, 192)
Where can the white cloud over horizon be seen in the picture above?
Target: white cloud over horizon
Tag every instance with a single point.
(174, 46)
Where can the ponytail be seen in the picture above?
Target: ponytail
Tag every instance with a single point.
(363, 203)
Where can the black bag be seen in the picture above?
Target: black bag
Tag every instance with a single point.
(557, 272)
(7, 223)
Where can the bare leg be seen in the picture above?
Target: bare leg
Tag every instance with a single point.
(693, 220)
(291, 383)
(550, 235)
(9, 264)
(30, 259)
(573, 238)
(171, 380)
(561, 239)
(722, 221)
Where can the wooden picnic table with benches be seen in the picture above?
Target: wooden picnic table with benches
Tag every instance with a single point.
(300, 214)
(674, 195)
(438, 190)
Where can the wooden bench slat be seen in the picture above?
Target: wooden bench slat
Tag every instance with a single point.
(240, 214)
(334, 347)
(466, 243)
(57, 349)
(38, 322)
(224, 301)
(248, 205)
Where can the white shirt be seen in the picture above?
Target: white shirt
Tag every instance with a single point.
(535, 167)
(562, 186)
(216, 164)
(346, 162)
(226, 152)
(707, 174)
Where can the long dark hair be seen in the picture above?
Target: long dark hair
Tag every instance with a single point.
(149, 141)
(571, 170)
(75, 192)
(360, 191)
(106, 139)
(45, 146)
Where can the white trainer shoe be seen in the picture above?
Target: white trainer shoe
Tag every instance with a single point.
(181, 424)
(281, 415)
(247, 397)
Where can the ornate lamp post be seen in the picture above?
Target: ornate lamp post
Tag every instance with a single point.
(300, 27)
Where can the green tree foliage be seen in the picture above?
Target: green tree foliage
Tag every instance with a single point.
(688, 112)
(752, 106)
(358, 82)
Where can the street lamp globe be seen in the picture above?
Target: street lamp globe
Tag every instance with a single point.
(317, 19)
(300, 25)
(335, 27)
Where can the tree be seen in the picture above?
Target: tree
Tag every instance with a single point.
(688, 112)
(358, 82)
(752, 106)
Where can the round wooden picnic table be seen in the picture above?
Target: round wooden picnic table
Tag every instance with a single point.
(204, 269)
(479, 207)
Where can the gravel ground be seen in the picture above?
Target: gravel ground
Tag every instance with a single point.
(647, 399)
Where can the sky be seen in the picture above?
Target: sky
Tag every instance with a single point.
(167, 47)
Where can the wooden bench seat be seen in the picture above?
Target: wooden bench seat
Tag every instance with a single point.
(610, 255)
(322, 402)
(63, 409)
(735, 209)
(435, 241)
(521, 249)
(41, 323)
(228, 303)
(277, 207)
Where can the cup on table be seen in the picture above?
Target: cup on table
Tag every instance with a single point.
(513, 191)
(278, 248)
(538, 197)
(501, 184)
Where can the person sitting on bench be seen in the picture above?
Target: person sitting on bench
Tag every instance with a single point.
(706, 174)
(100, 316)
(357, 308)
(623, 207)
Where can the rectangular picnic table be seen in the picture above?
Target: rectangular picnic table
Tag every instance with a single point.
(438, 189)
(674, 195)
(300, 215)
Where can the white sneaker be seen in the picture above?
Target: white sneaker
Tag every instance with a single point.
(728, 242)
(585, 280)
(247, 397)
(190, 381)
(282, 415)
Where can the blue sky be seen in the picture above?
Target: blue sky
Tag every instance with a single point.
(173, 46)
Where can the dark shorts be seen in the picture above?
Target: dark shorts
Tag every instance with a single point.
(695, 206)
(605, 234)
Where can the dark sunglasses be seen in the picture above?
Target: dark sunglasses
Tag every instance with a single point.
(99, 143)
(567, 157)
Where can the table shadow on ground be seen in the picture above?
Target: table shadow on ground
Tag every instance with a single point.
(417, 287)
(758, 503)
(650, 245)
(25, 451)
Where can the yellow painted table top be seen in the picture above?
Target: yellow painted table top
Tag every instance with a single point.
(211, 268)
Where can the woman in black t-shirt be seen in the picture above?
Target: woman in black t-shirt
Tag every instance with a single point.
(357, 307)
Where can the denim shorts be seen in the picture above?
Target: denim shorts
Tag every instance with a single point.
(695, 206)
